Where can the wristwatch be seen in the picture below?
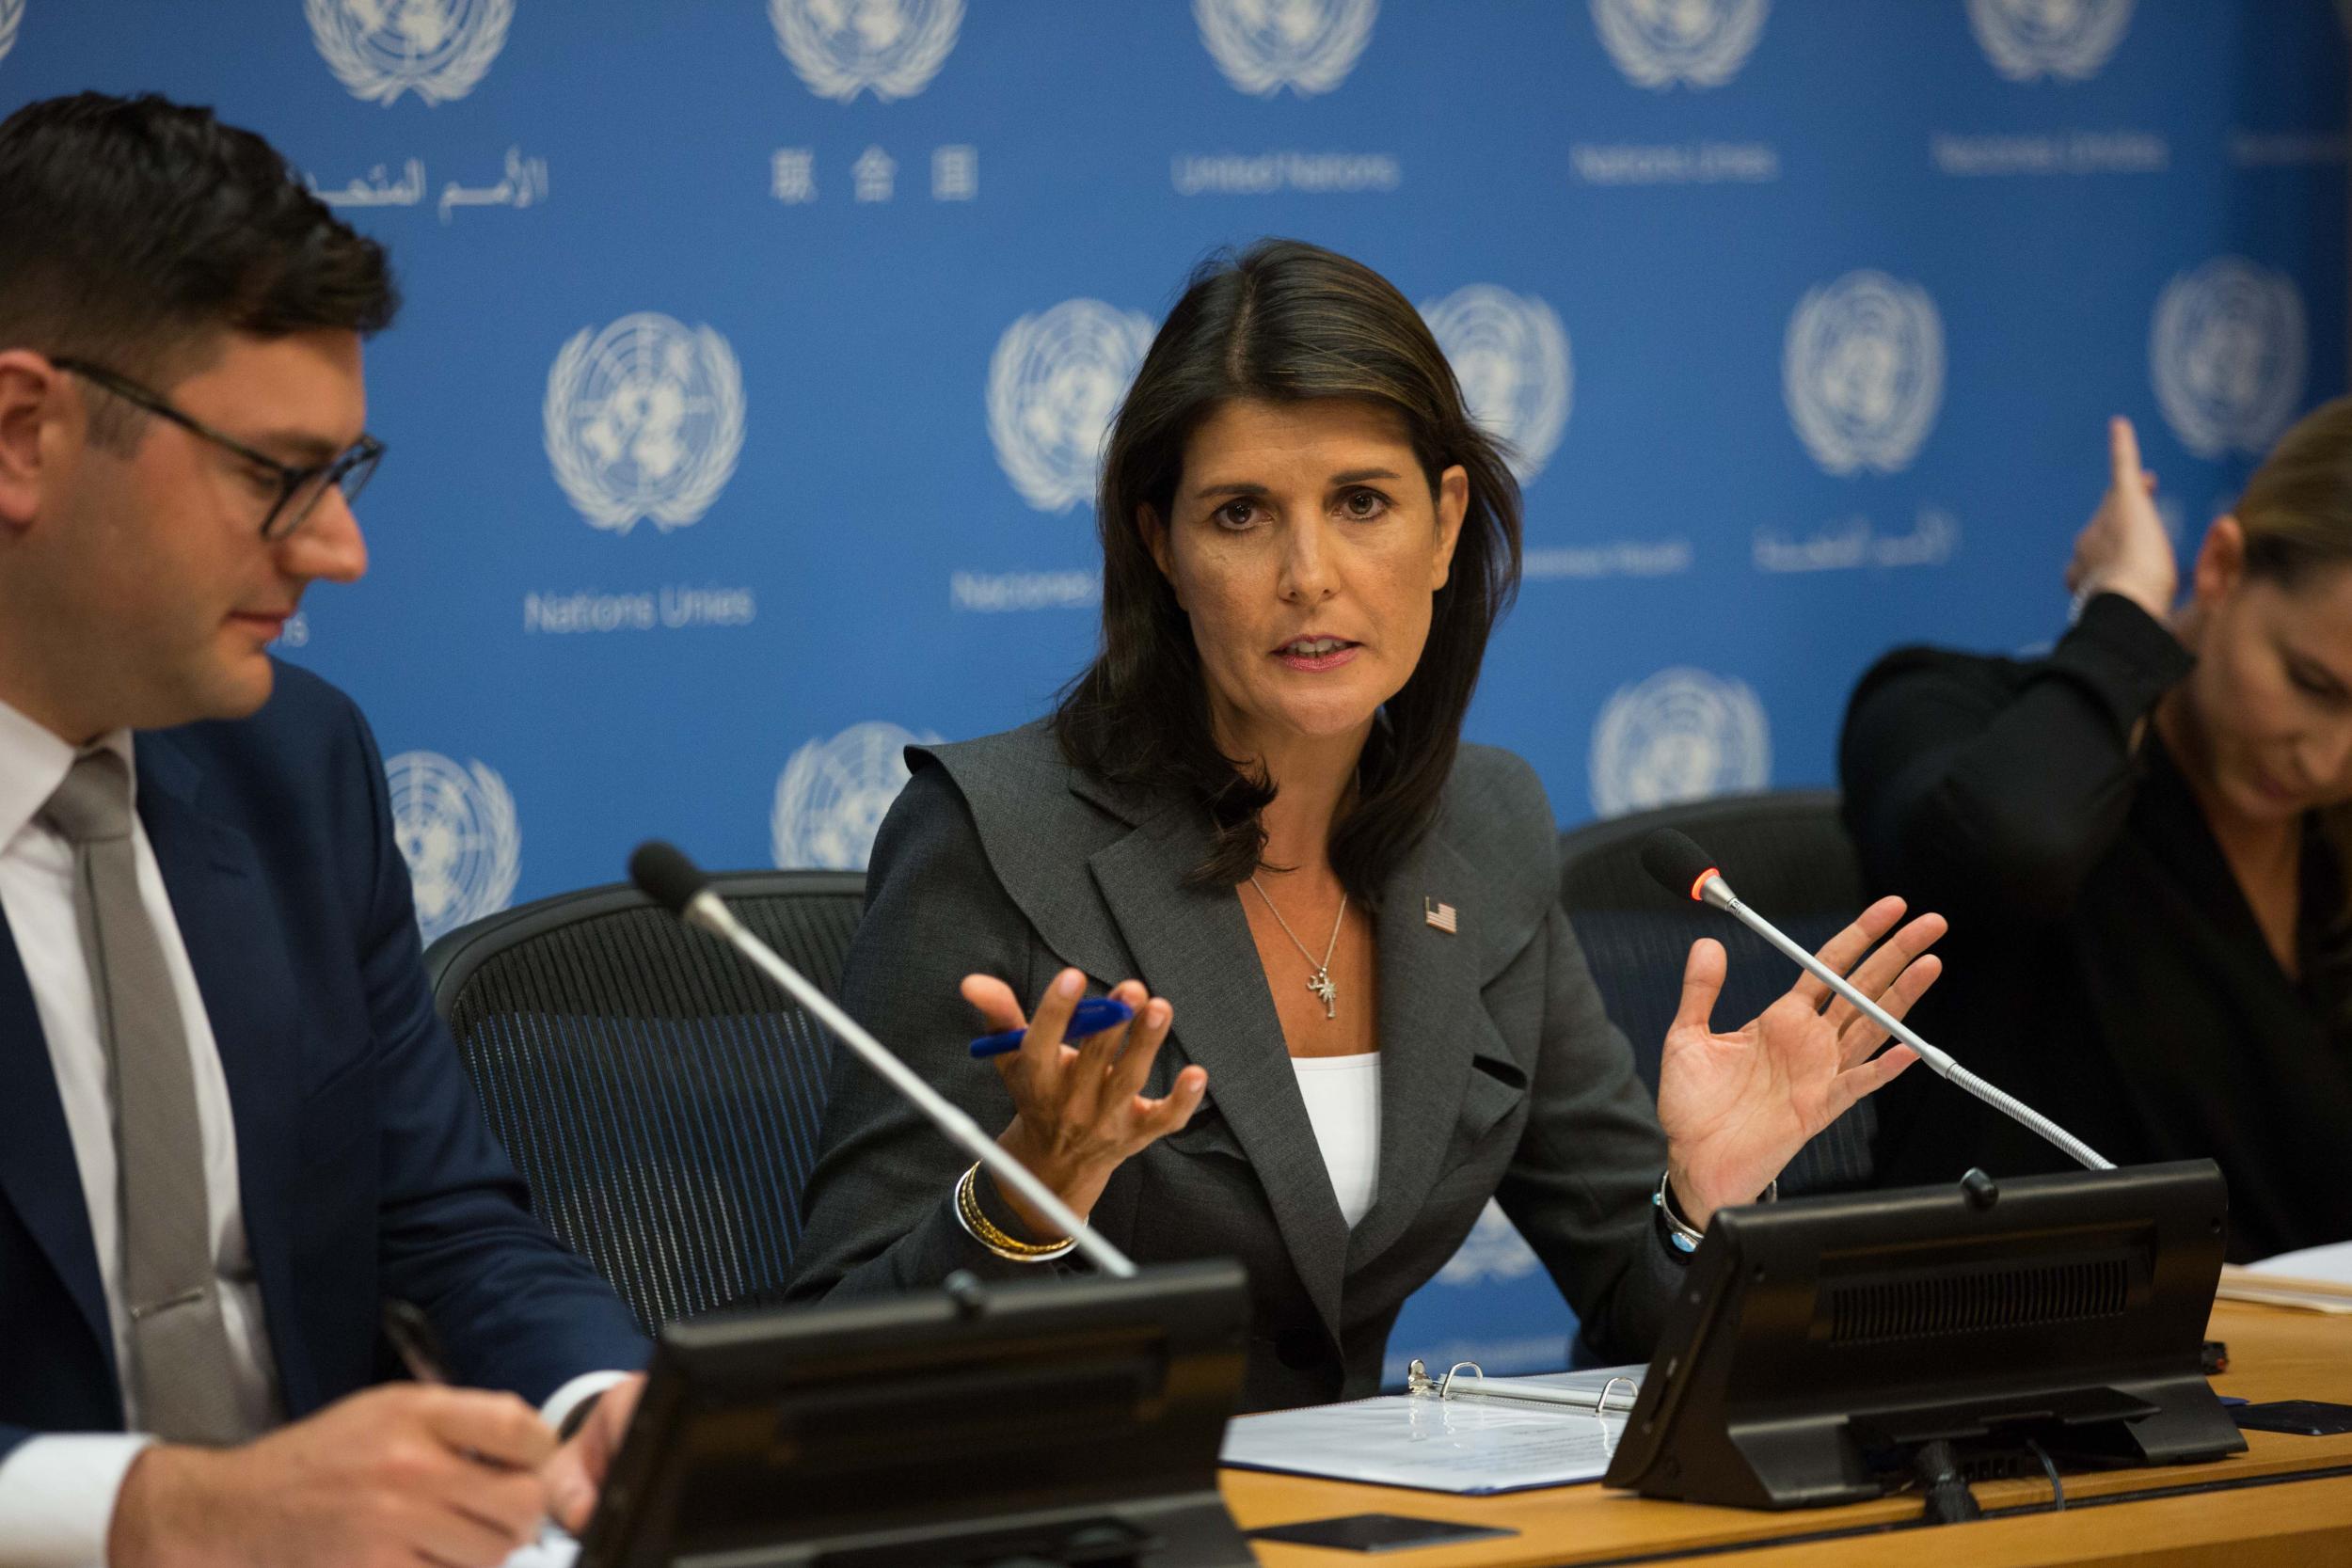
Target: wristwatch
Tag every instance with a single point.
(1680, 1234)
(577, 1417)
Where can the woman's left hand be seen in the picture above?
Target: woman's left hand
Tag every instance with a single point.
(1736, 1107)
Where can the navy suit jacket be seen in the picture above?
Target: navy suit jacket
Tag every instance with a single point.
(367, 1171)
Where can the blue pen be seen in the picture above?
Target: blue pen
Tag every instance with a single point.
(1091, 1017)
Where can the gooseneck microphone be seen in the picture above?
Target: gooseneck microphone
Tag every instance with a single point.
(677, 884)
(1688, 871)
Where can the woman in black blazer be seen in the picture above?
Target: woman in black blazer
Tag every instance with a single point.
(2144, 837)
(1360, 1012)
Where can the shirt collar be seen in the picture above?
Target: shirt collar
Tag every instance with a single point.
(34, 760)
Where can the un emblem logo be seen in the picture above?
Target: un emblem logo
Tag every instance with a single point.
(1264, 46)
(2227, 352)
(1863, 371)
(1682, 735)
(1054, 383)
(2065, 39)
(11, 12)
(1702, 44)
(833, 794)
(436, 49)
(841, 48)
(1511, 356)
(457, 829)
(1493, 1250)
(645, 419)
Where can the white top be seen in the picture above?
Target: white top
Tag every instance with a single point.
(1342, 1096)
(57, 1493)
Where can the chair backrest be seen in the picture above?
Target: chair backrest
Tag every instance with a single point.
(661, 1099)
(1787, 856)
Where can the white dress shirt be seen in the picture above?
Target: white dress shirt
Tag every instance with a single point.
(57, 1493)
(1342, 1096)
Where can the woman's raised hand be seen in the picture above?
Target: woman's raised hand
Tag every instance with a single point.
(1736, 1107)
(1080, 1110)
(2123, 548)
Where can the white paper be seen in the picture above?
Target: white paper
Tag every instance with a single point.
(1465, 1446)
(553, 1550)
(2332, 1263)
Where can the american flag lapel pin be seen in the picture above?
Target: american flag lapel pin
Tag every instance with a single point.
(1441, 915)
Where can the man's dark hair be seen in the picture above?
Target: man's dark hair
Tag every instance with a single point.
(133, 229)
(1285, 322)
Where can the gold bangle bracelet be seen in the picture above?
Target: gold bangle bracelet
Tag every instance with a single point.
(995, 1238)
(995, 1235)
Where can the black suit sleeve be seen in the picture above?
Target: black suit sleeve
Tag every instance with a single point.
(1990, 788)
(516, 1310)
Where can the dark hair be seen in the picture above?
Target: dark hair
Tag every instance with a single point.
(2297, 511)
(133, 228)
(1285, 322)
(2296, 517)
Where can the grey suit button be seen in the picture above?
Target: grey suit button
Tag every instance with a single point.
(1300, 1348)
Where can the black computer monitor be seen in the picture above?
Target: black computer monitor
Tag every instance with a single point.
(1817, 1343)
(1071, 1420)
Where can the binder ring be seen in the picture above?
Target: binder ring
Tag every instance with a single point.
(1445, 1389)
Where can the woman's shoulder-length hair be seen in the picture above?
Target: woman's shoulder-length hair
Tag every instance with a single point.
(2295, 515)
(1282, 322)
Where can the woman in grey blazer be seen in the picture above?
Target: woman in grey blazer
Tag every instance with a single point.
(1360, 1011)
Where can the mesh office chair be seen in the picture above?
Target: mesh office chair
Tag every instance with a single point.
(1787, 856)
(661, 1099)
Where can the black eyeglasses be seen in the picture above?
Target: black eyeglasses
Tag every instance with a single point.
(299, 490)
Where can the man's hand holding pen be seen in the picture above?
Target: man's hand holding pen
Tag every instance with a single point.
(405, 1475)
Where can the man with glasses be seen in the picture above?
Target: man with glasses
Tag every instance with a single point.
(232, 1130)
(299, 488)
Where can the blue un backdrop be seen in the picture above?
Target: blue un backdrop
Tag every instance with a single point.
(744, 412)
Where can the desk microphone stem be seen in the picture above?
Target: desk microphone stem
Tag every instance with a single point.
(1684, 869)
(1938, 1062)
(674, 881)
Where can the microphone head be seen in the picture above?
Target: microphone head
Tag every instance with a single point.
(663, 873)
(1680, 866)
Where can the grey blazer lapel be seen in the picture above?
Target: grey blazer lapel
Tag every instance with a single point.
(1432, 1023)
(1193, 947)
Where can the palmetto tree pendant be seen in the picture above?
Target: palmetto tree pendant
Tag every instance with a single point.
(1320, 983)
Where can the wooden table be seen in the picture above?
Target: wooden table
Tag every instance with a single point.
(2287, 1501)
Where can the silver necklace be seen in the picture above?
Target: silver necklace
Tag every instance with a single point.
(1320, 981)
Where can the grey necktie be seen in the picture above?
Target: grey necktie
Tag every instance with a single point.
(180, 1358)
